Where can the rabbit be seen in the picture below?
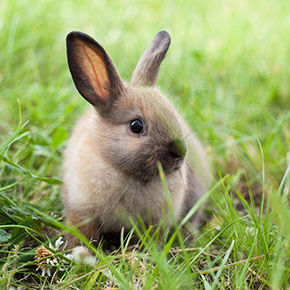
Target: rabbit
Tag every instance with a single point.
(110, 167)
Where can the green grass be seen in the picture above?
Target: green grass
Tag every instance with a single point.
(227, 71)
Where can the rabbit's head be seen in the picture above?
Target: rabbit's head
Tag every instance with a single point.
(136, 126)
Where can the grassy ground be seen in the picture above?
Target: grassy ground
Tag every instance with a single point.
(227, 71)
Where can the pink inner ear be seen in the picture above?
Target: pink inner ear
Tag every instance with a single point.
(95, 69)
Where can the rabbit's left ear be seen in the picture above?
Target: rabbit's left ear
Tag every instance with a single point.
(146, 71)
(92, 70)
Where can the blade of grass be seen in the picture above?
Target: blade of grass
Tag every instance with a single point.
(221, 268)
(27, 172)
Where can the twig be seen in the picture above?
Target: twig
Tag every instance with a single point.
(232, 264)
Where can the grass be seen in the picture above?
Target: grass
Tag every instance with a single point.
(227, 71)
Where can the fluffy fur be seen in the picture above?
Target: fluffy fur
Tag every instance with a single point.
(111, 172)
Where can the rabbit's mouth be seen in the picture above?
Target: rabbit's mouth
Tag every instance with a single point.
(177, 163)
(171, 164)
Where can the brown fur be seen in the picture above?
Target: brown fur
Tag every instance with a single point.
(110, 172)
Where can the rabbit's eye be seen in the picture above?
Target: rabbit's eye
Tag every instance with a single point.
(136, 126)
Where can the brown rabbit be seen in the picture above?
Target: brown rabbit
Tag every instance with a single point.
(110, 163)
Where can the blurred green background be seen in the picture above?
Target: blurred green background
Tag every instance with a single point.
(227, 71)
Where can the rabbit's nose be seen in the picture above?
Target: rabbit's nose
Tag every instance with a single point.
(177, 149)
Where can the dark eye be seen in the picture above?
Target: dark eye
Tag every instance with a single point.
(136, 126)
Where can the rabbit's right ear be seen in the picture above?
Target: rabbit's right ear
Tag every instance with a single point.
(146, 71)
(92, 70)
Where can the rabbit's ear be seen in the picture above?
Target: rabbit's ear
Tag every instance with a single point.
(146, 71)
(92, 70)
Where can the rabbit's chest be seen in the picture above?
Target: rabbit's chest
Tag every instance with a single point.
(148, 202)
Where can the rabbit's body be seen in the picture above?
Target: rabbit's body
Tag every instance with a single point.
(110, 168)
